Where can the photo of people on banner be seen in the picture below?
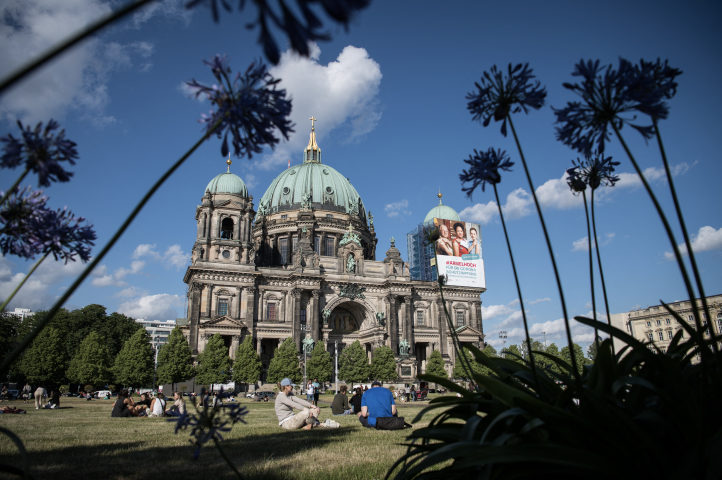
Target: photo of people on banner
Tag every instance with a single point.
(459, 253)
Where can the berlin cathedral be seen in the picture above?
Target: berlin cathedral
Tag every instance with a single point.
(303, 265)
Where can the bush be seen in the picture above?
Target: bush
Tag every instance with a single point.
(63, 388)
(391, 387)
(88, 388)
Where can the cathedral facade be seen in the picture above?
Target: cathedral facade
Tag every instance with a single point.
(303, 265)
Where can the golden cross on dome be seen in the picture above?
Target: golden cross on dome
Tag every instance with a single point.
(313, 120)
(350, 228)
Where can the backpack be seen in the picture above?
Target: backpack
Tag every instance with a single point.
(391, 423)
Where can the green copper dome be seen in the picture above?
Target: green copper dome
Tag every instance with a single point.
(442, 211)
(227, 183)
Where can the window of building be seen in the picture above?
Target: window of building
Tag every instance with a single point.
(690, 318)
(659, 322)
(661, 335)
(303, 316)
(271, 311)
(226, 254)
(294, 243)
(283, 247)
(328, 250)
(223, 307)
(328, 215)
(664, 350)
(651, 337)
(668, 321)
(704, 316)
(649, 324)
(459, 319)
(227, 228)
(669, 334)
(284, 216)
(317, 245)
(706, 328)
(419, 317)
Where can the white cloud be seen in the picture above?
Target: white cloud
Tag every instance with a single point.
(518, 204)
(342, 95)
(482, 213)
(174, 9)
(398, 208)
(146, 250)
(706, 239)
(156, 307)
(492, 311)
(652, 174)
(539, 300)
(555, 193)
(173, 256)
(104, 279)
(35, 294)
(582, 245)
(130, 292)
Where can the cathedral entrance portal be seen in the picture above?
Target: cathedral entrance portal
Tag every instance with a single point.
(344, 320)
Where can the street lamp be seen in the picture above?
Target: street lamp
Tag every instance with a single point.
(335, 354)
(502, 336)
(545, 339)
(156, 348)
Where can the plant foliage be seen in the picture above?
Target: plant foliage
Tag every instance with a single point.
(284, 363)
(383, 365)
(319, 365)
(247, 367)
(353, 364)
(214, 364)
(175, 360)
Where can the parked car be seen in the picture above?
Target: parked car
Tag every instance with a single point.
(103, 394)
(12, 395)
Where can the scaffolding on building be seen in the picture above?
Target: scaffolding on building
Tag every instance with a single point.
(420, 254)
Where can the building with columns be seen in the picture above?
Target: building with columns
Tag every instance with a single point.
(303, 265)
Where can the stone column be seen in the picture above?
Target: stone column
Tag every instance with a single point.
(234, 346)
(261, 309)
(296, 329)
(209, 300)
(442, 326)
(214, 304)
(259, 339)
(393, 330)
(314, 307)
(409, 325)
(479, 320)
(237, 306)
(282, 316)
(201, 222)
(194, 317)
(250, 303)
(237, 228)
(214, 226)
(207, 225)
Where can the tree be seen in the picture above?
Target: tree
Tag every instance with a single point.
(175, 360)
(513, 353)
(435, 365)
(183, 388)
(134, 364)
(214, 363)
(578, 355)
(476, 368)
(353, 364)
(92, 362)
(284, 363)
(550, 365)
(592, 350)
(319, 365)
(383, 365)
(247, 367)
(46, 360)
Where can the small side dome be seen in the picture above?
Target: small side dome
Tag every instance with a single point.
(227, 183)
(442, 211)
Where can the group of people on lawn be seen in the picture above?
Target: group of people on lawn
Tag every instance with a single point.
(125, 406)
(369, 406)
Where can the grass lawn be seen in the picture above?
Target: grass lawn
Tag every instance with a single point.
(80, 440)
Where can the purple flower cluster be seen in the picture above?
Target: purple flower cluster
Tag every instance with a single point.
(497, 94)
(40, 151)
(249, 108)
(595, 170)
(300, 33)
(608, 94)
(28, 228)
(484, 168)
(209, 424)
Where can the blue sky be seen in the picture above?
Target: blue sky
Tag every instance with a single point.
(389, 96)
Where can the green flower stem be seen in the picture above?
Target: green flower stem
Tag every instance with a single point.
(518, 290)
(5, 366)
(21, 448)
(452, 331)
(670, 235)
(678, 209)
(591, 268)
(551, 252)
(225, 457)
(601, 272)
(37, 264)
(61, 47)
(15, 185)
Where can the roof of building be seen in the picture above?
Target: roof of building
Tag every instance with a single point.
(228, 183)
(324, 184)
(442, 211)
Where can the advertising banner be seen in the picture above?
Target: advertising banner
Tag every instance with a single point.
(459, 253)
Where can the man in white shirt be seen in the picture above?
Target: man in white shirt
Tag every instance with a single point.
(286, 402)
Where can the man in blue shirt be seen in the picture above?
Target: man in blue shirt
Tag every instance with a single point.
(377, 402)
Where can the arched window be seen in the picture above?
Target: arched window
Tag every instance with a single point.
(227, 228)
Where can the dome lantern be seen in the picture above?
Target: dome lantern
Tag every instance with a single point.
(442, 211)
(312, 152)
(227, 183)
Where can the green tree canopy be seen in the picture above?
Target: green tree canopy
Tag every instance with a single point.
(213, 363)
(383, 365)
(247, 367)
(435, 365)
(135, 364)
(512, 353)
(578, 355)
(46, 361)
(175, 361)
(476, 368)
(92, 362)
(353, 365)
(548, 364)
(284, 363)
(319, 365)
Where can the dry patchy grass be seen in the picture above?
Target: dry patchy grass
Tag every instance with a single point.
(81, 440)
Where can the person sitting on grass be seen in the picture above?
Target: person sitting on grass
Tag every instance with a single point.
(179, 407)
(144, 400)
(340, 405)
(157, 406)
(286, 402)
(124, 406)
(377, 402)
(356, 400)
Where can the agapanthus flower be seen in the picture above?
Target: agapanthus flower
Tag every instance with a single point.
(484, 169)
(28, 228)
(249, 108)
(300, 33)
(608, 96)
(40, 151)
(497, 95)
(595, 170)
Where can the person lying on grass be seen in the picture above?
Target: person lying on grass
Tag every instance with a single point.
(286, 402)
(124, 406)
